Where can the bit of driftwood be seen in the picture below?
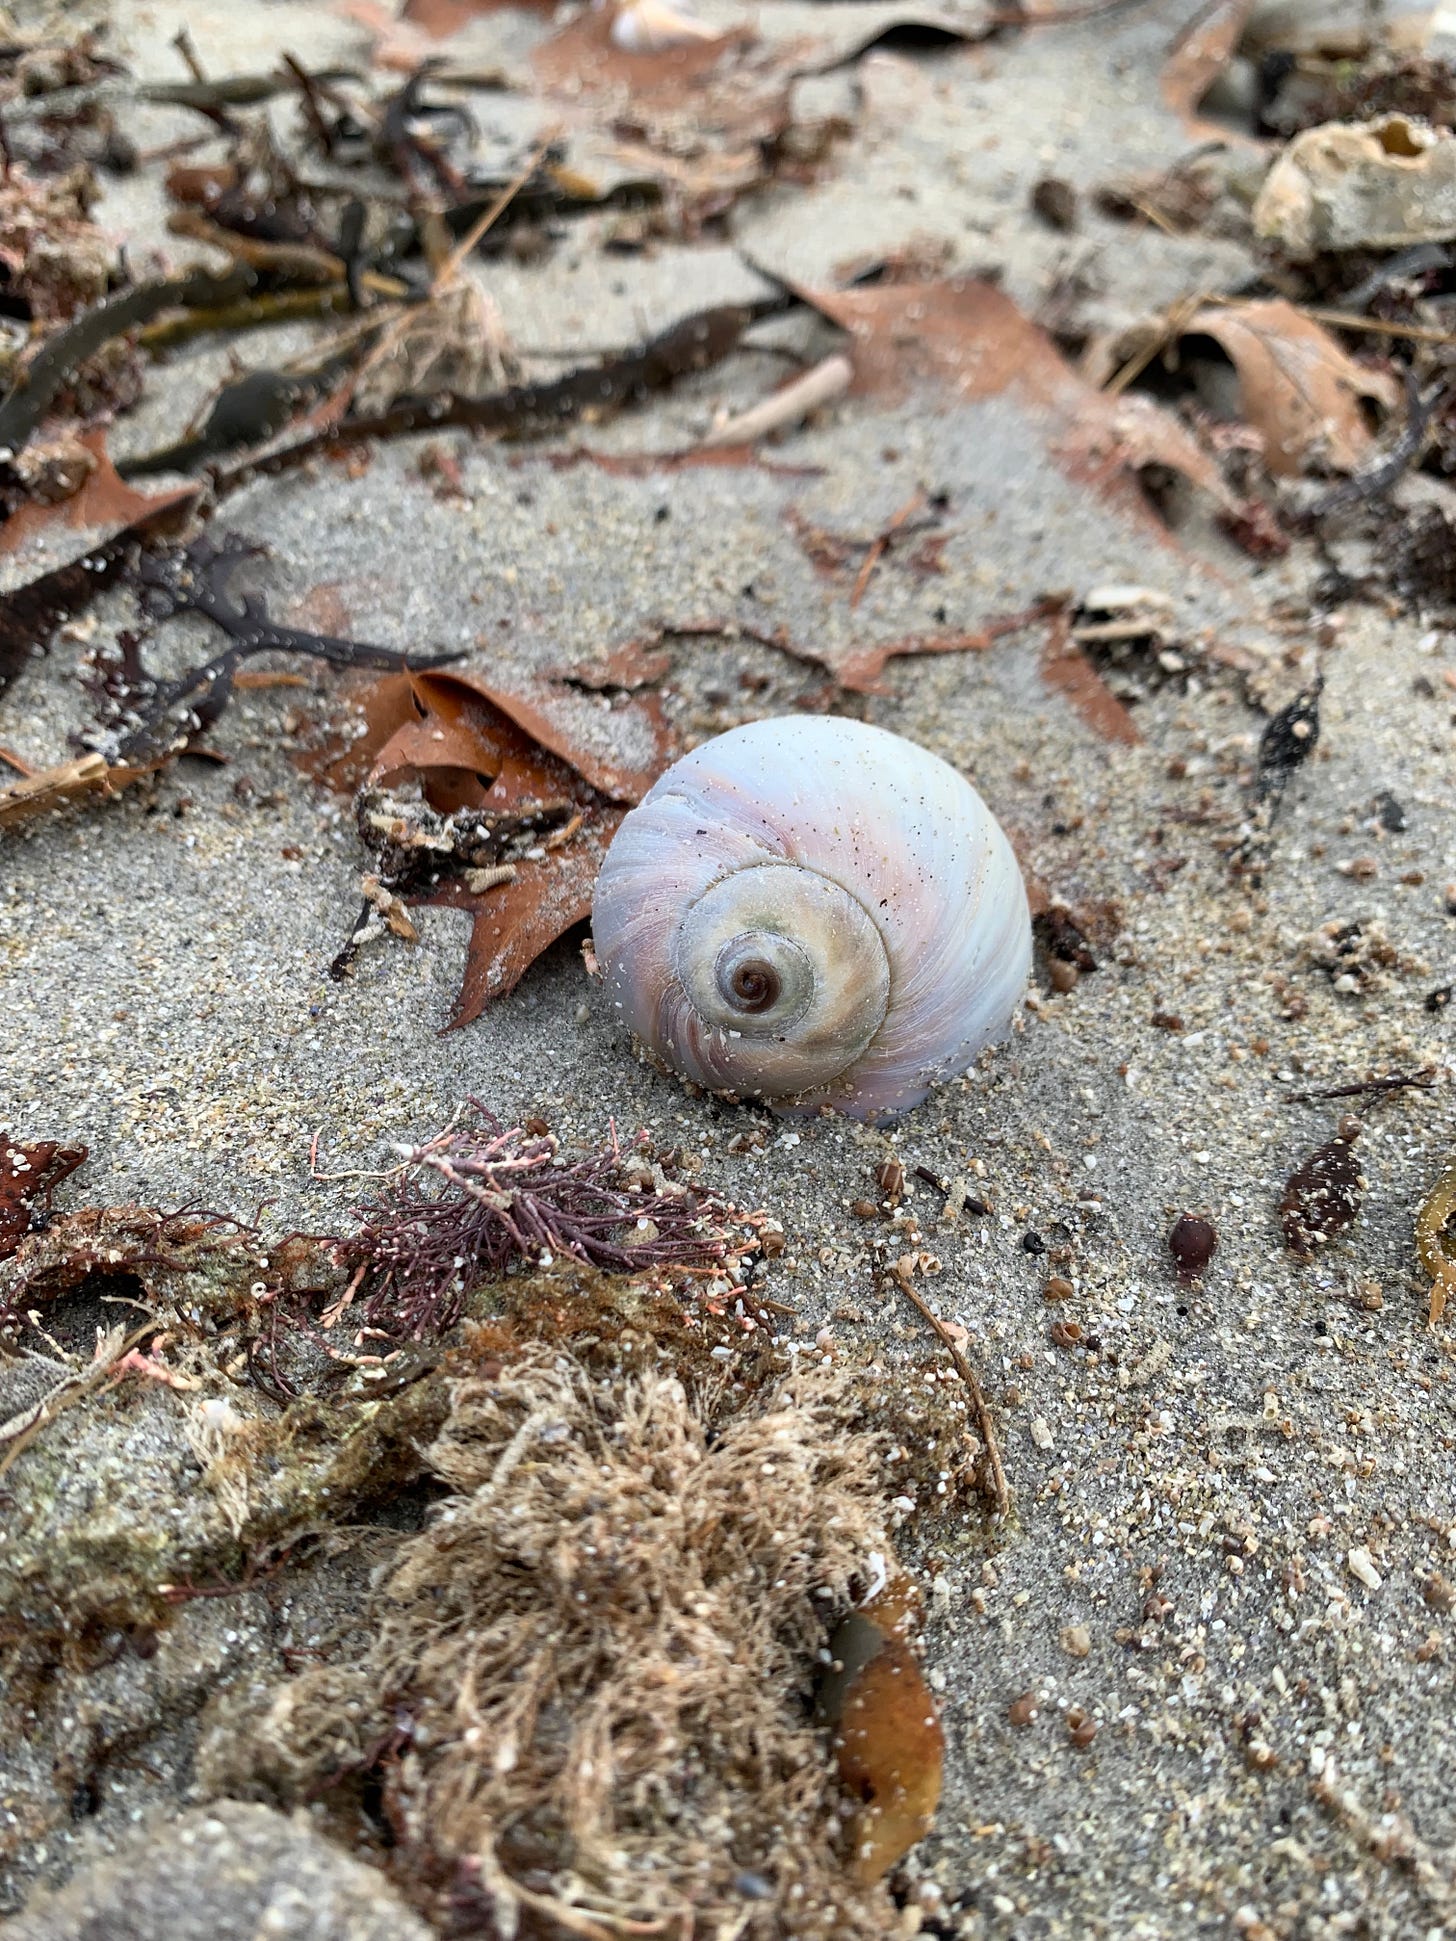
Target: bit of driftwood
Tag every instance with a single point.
(795, 401)
(996, 1486)
(252, 409)
(1423, 1081)
(48, 789)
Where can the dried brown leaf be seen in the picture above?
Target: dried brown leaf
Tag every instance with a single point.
(584, 55)
(1197, 58)
(30, 1174)
(516, 921)
(888, 1736)
(468, 750)
(1301, 392)
(104, 505)
(971, 337)
(442, 18)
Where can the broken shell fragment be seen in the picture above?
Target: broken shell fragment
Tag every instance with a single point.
(1380, 184)
(654, 27)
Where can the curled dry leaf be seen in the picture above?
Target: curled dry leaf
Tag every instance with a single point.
(1322, 1196)
(1199, 55)
(1300, 391)
(28, 1177)
(888, 1736)
(968, 337)
(480, 774)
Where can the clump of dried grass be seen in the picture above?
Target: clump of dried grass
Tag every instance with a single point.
(588, 1707)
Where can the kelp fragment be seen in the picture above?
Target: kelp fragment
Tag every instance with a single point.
(887, 1733)
(693, 344)
(162, 716)
(64, 351)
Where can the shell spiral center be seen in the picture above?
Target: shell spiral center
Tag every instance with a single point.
(785, 965)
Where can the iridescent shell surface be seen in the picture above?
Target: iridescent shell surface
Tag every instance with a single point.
(813, 912)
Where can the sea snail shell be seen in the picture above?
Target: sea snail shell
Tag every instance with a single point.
(813, 912)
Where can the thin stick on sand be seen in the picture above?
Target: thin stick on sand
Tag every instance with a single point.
(996, 1486)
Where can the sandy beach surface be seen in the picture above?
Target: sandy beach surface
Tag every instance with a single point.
(1234, 1501)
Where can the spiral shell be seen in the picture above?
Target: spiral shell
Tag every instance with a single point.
(813, 912)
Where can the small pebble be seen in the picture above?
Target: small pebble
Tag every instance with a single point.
(1021, 1711)
(1192, 1243)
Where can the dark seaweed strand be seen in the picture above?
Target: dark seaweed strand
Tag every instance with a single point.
(67, 348)
(694, 344)
(195, 580)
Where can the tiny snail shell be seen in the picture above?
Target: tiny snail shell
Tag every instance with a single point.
(813, 912)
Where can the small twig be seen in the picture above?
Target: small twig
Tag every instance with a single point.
(387, 1172)
(1175, 321)
(489, 217)
(878, 545)
(312, 108)
(22, 1430)
(1423, 1081)
(794, 401)
(999, 1490)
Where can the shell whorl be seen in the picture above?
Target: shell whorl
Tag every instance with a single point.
(814, 912)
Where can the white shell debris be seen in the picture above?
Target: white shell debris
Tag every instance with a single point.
(654, 27)
(1360, 1564)
(1381, 184)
